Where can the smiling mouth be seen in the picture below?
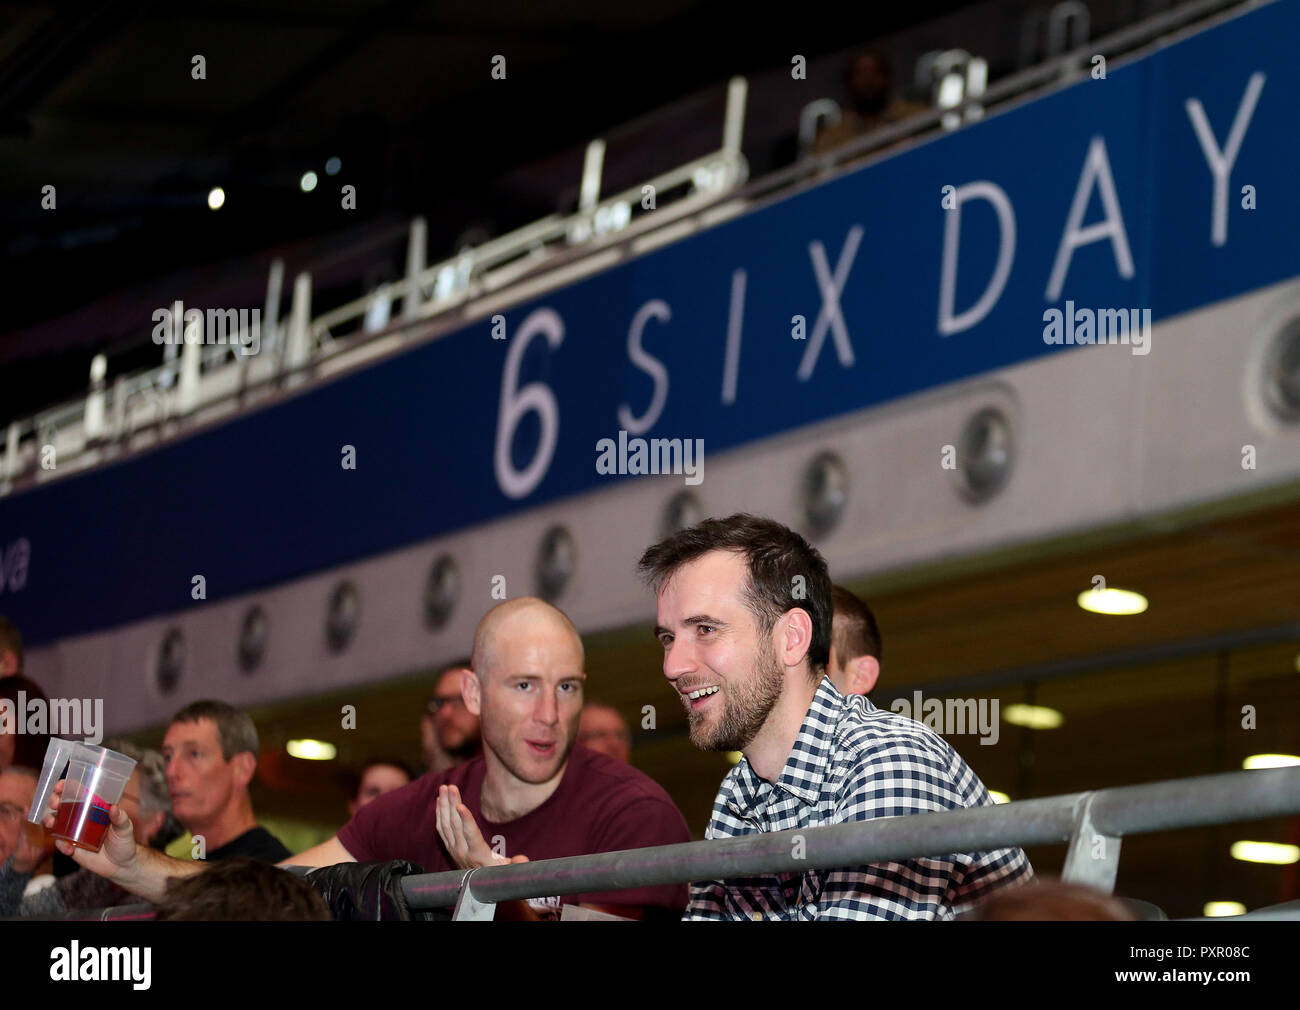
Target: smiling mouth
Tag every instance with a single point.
(697, 698)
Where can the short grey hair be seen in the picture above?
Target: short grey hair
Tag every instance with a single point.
(154, 794)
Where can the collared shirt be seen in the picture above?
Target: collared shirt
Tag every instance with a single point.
(851, 762)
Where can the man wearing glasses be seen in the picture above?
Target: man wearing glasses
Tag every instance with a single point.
(449, 732)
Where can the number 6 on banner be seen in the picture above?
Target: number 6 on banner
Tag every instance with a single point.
(515, 403)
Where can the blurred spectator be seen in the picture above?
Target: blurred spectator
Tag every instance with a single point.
(148, 804)
(382, 775)
(242, 890)
(211, 754)
(868, 83)
(854, 665)
(449, 732)
(26, 749)
(1050, 901)
(11, 648)
(17, 790)
(602, 729)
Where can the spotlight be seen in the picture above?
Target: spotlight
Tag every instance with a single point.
(311, 750)
(332, 166)
(308, 181)
(1112, 601)
(1033, 716)
(216, 198)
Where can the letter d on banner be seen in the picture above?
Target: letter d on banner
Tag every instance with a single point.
(994, 194)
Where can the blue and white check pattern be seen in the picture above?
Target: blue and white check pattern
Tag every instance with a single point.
(851, 762)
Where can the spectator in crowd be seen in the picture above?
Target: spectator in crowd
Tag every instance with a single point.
(242, 890)
(449, 732)
(26, 749)
(748, 662)
(602, 729)
(19, 841)
(11, 648)
(534, 791)
(1050, 901)
(211, 754)
(146, 801)
(855, 644)
(379, 776)
(868, 83)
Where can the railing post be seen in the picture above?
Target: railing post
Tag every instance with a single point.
(191, 359)
(416, 251)
(469, 908)
(593, 165)
(297, 348)
(271, 313)
(1092, 858)
(11, 465)
(92, 419)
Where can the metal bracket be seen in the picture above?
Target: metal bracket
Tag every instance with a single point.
(469, 908)
(1092, 858)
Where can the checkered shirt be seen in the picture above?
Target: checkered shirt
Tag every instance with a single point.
(851, 762)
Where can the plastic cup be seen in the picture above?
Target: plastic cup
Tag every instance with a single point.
(96, 779)
(56, 760)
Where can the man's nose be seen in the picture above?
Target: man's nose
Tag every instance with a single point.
(546, 710)
(679, 659)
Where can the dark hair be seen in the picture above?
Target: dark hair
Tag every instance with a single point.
(234, 728)
(777, 557)
(29, 748)
(11, 640)
(1047, 900)
(854, 627)
(242, 890)
(352, 779)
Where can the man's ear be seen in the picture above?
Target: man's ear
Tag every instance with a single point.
(470, 691)
(794, 637)
(862, 674)
(8, 663)
(245, 766)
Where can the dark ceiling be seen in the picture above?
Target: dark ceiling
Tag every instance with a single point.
(99, 101)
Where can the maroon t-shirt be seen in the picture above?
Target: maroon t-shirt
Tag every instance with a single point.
(600, 805)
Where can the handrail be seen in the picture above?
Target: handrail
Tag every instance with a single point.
(1107, 813)
(1114, 813)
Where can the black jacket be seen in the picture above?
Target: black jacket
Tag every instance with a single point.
(369, 892)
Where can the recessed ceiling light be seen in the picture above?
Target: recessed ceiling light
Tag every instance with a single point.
(1033, 716)
(1270, 761)
(1266, 852)
(216, 198)
(332, 166)
(1112, 601)
(1214, 909)
(311, 750)
(308, 181)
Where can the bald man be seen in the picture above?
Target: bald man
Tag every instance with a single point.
(532, 794)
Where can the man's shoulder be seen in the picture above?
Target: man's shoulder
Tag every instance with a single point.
(865, 733)
(601, 778)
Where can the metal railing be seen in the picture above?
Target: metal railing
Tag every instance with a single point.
(1092, 824)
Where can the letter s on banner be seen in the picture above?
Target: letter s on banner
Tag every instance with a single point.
(515, 403)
